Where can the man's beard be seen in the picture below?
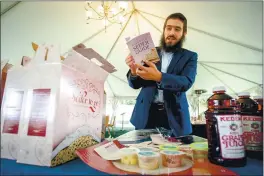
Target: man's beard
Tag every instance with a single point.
(172, 48)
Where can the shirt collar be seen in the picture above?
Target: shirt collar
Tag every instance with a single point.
(166, 53)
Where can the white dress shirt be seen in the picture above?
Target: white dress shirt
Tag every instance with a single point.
(166, 59)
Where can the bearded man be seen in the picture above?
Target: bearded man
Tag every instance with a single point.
(162, 100)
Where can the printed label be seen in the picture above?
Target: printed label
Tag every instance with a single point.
(252, 132)
(39, 112)
(142, 47)
(231, 136)
(12, 110)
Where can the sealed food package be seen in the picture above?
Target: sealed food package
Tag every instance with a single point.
(129, 156)
(148, 160)
(200, 151)
(172, 159)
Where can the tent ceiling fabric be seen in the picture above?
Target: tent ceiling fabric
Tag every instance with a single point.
(220, 32)
(7, 5)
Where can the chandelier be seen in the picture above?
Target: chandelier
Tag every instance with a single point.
(108, 12)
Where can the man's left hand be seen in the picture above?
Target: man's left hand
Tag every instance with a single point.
(149, 73)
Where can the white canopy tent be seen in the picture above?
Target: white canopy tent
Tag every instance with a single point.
(226, 35)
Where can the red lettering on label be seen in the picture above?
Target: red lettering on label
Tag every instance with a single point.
(251, 137)
(252, 131)
(230, 118)
(232, 141)
(84, 100)
(231, 136)
(249, 118)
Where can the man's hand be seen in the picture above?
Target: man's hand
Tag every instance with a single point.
(149, 73)
(131, 63)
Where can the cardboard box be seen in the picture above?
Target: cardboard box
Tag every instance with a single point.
(63, 104)
(5, 66)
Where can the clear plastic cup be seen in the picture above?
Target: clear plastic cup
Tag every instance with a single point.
(200, 151)
(129, 156)
(148, 160)
(172, 159)
(186, 149)
(168, 147)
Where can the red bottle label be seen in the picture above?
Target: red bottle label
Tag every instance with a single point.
(12, 108)
(252, 132)
(40, 109)
(231, 136)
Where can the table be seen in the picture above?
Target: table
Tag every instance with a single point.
(75, 167)
(78, 167)
(253, 167)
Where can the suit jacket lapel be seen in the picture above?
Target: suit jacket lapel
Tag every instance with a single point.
(158, 64)
(175, 58)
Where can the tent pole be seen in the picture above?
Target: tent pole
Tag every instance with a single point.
(231, 74)
(230, 63)
(214, 35)
(133, 5)
(152, 14)
(119, 78)
(9, 8)
(136, 18)
(113, 46)
(111, 88)
(92, 36)
(226, 39)
(248, 90)
(95, 34)
(139, 12)
(218, 78)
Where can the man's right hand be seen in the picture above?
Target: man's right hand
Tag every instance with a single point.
(131, 64)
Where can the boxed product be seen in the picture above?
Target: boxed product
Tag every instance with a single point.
(58, 106)
(5, 66)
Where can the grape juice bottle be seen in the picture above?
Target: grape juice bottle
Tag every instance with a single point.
(224, 130)
(252, 121)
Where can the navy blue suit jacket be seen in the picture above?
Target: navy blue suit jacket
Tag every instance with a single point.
(179, 78)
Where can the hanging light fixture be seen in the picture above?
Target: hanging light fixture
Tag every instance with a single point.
(108, 12)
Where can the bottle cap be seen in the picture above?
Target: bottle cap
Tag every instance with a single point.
(148, 154)
(219, 88)
(244, 94)
(168, 147)
(257, 97)
(199, 146)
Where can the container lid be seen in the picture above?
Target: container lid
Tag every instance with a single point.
(148, 154)
(185, 147)
(129, 151)
(168, 147)
(199, 146)
(257, 97)
(147, 149)
(244, 94)
(219, 88)
(169, 152)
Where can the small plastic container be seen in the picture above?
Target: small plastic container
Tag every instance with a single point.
(168, 147)
(129, 156)
(200, 151)
(186, 149)
(148, 160)
(172, 159)
(148, 149)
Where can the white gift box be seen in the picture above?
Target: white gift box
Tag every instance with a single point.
(61, 101)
